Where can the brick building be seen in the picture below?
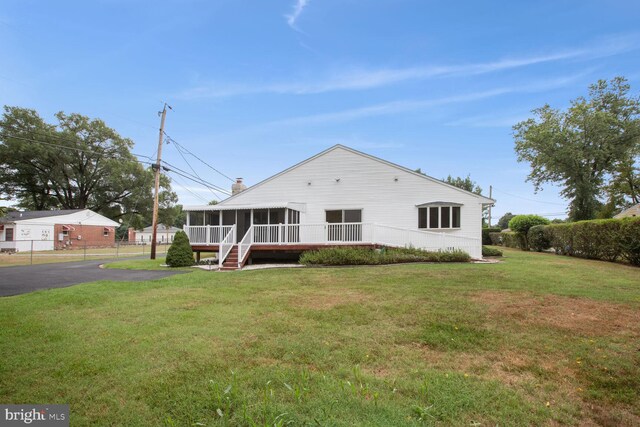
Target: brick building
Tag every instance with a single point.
(57, 229)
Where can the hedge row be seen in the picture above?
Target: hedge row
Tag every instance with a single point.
(364, 256)
(604, 239)
(486, 234)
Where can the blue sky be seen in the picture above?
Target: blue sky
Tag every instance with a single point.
(257, 86)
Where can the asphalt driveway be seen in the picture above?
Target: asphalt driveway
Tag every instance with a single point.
(24, 279)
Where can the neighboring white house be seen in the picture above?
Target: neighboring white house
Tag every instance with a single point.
(164, 235)
(630, 212)
(341, 196)
(55, 229)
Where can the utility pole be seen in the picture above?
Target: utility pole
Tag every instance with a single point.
(490, 196)
(156, 168)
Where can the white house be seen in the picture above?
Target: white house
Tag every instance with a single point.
(55, 229)
(629, 212)
(164, 235)
(339, 197)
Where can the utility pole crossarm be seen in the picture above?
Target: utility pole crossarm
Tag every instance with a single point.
(156, 168)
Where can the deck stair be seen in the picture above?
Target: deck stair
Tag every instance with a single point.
(231, 261)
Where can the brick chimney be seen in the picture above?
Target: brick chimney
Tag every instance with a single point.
(237, 187)
(131, 237)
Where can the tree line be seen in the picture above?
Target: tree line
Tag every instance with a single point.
(78, 163)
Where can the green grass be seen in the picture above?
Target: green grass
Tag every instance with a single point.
(536, 339)
(76, 254)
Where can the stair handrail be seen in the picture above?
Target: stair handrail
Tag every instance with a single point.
(244, 246)
(226, 245)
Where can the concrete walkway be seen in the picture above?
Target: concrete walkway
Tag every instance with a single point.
(24, 279)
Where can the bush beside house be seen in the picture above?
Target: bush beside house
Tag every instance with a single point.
(487, 251)
(365, 256)
(180, 253)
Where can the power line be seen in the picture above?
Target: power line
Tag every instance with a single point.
(83, 150)
(194, 171)
(531, 200)
(198, 180)
(198, 158)
(187, 189)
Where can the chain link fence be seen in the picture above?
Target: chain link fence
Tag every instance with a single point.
(29, 252)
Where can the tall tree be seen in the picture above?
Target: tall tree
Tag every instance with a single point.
(464, 183)
(503, 222)
(580, 148)
(77, 163)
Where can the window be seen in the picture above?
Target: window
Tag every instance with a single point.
(105, 232)
(344, 225)
(334, 217)
(8, 234)
(261, 216)
(440, 217)
(455, 217)
(341, 216)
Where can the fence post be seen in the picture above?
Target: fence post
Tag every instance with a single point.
(32, 252)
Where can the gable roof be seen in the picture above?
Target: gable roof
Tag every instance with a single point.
(161, 229)
(25, 215)
(67, 216)
(629, 212)
(484, 200)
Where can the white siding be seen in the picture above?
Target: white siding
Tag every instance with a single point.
(40, 234)
(386, 194)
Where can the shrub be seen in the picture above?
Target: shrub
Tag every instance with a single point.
(365, 256)
(512, 240)
(496, 238)
(630, 240)
(487, 251)
(521, 225)
(607, 240)
(180, 253)
(538, 239)
(561, 238)
(486, 238)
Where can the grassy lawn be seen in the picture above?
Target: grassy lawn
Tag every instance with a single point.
(76, 254)
(536, 340)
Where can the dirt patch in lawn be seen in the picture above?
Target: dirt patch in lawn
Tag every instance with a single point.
(578, 315)
(329, 300)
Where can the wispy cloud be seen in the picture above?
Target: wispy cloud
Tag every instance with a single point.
(292, 18)
(361, 79)
(402, 106)
(489, 121)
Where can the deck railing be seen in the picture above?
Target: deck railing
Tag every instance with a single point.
(334, 234)
(244, 246)
(227, 243)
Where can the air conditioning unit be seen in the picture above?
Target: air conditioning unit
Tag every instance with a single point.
(79, 237)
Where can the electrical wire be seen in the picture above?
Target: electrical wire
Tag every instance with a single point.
(198, 158)
(526, 198)
(187, 175)
(194, 171)
(4, 134)
(187, 189)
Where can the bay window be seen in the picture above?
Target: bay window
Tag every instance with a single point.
(441, 216)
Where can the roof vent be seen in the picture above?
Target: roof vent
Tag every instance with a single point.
(237, 187)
